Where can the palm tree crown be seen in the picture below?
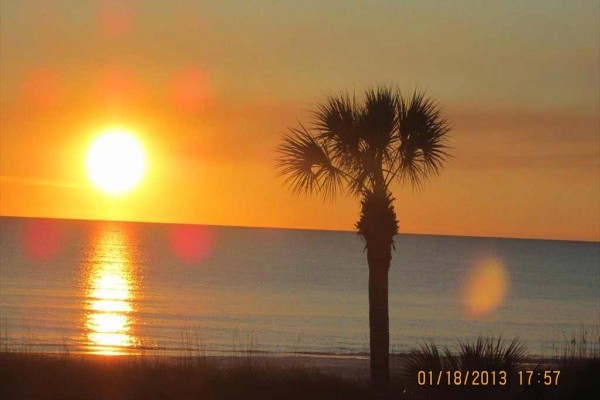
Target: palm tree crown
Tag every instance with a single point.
(365, 147)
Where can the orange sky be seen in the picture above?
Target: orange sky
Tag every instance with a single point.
(210, 88)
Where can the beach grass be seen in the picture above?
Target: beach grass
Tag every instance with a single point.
(28, 375)
(496, 369)
(247, 374)
(39, 376)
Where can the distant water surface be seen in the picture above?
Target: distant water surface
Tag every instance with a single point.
(114, 287)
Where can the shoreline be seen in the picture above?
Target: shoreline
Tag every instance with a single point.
(353, 366)
(180, 353)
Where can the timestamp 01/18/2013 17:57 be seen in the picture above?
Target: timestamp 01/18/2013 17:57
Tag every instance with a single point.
(487, 378)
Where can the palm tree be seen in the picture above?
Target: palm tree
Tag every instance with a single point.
(365, 147)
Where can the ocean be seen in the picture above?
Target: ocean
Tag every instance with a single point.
(128, 288)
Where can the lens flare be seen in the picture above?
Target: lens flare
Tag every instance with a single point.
(43, 238)
(191, 90)
(191, 243)
(42, 89)
(485, 288)
(118, 85)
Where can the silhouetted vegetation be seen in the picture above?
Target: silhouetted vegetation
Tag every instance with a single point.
(31, 376)
(503, 372)
(364, 147)
(71, 376)
(497, 360)
(62, 374)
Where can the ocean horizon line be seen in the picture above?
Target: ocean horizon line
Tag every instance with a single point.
(293, 228)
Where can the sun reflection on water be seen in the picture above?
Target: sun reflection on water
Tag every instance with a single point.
(109, 287)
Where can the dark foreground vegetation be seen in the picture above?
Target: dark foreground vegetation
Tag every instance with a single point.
(499, 370)
(39, 376)
(29, 375)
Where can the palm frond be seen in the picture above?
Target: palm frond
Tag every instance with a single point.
(491, 354)
(422, 131)
(428, 357)
(305, 162)
(336, 119)
(365, 145)
(358, 183)
(378, 118)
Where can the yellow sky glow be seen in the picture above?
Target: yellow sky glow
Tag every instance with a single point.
(208, 96)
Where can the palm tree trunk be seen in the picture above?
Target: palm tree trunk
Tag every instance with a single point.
(378, 225)
(379, 256)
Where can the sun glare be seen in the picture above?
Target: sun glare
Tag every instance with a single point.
(116, 161)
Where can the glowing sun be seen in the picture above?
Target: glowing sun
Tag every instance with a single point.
(116, 161)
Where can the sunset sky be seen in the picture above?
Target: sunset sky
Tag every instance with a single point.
(208, 89)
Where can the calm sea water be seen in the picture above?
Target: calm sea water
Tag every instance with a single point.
(112, 287)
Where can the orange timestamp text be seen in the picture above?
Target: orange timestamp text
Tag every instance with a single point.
(485, 378)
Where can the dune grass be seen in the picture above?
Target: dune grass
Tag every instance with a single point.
(40, 376)
(505, 364)
(29, 375)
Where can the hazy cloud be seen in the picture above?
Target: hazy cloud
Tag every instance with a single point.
(19, 180)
